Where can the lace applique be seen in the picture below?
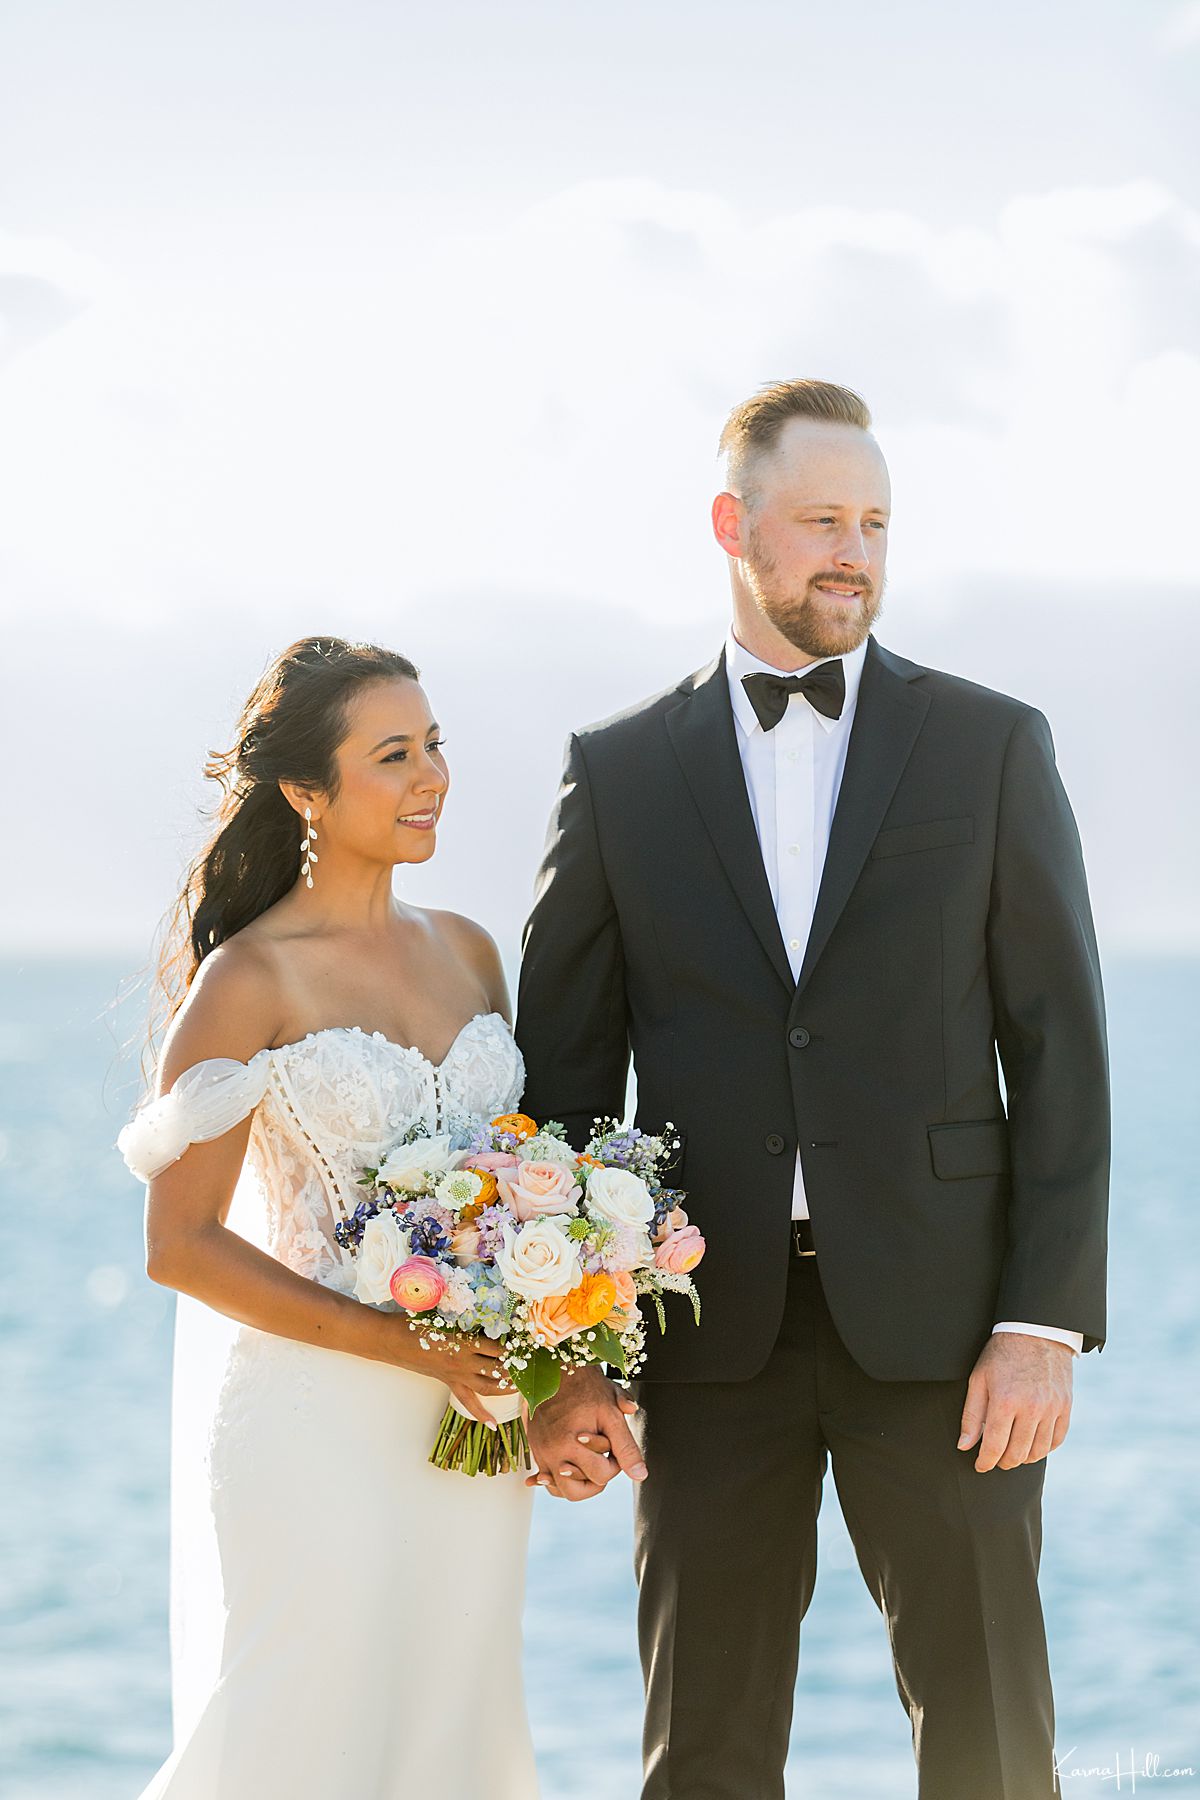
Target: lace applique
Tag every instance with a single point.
(328, 1105)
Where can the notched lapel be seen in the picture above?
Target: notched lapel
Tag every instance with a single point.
(887, 720)
(704, 735)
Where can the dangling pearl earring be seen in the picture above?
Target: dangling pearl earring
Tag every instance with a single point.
(308, 855)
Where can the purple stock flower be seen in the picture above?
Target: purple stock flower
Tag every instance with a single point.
(491, 1223)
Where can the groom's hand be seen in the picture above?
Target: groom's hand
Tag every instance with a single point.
(1018, 1400)
(581, 1439)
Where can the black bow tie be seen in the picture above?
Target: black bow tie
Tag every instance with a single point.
(824, 688)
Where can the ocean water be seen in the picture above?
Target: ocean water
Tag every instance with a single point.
(85, 1343)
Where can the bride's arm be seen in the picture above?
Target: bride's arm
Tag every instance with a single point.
(231, 1011)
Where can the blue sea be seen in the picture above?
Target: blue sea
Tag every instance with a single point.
(85, 1347)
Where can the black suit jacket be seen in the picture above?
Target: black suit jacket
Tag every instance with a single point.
(952, 922)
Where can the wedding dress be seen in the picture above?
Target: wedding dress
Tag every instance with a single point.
(345, 1618)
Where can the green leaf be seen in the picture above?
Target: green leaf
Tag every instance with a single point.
(539, 1380)
(609, 1347)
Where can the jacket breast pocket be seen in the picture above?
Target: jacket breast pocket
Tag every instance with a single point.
(899, 840)
(977, 1148)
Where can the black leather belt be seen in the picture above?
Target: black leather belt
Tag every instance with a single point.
(802, 1238)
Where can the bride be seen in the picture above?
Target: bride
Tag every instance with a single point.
(345, 1617)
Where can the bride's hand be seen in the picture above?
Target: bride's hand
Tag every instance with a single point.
(473, 1403)
(468, 1365)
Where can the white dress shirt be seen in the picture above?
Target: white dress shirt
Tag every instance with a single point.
(793, 777)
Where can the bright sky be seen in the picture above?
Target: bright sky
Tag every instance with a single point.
(421, 322)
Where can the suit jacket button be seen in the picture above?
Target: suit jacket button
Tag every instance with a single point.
(775, 1144)
(798, 1037)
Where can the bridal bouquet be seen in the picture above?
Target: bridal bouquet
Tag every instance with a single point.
(510, 1232)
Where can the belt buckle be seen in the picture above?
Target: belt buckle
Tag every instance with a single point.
(797, 1227)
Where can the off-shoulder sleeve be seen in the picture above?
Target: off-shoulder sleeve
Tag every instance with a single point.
(207, 1100)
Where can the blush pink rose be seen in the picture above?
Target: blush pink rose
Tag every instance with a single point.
(680, 1251)
(538, 1190)
(418, 1284)
(674, 1222)
(464, 1243)
(493, 1160)
(550, 1321)
(626, 1310)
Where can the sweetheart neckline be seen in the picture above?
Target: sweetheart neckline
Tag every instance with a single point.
(382, 1038)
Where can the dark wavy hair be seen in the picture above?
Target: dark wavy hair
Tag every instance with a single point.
(289, 729)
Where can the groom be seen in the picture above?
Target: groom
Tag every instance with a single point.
(818, 889)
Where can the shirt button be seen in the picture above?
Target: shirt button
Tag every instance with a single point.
(793, 849)
(775, 1144)
(793, 943)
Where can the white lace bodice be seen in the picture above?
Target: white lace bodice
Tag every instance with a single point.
(324, 1108)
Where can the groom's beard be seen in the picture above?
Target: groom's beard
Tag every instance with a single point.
(816, 623)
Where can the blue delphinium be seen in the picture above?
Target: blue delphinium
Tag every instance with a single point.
(429, 1237)
(349, 1232)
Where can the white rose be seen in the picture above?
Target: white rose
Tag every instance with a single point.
(621, 1197)
(540, 1261)
(406, 1167)
(543, 1149)
(384, 1247)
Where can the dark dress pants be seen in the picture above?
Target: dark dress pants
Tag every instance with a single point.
(726, 1556)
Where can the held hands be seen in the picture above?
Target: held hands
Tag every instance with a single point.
(1018, 1400)
(580, 1439)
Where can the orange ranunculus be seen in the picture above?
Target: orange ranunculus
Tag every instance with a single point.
(520, 1124)
(550, 1321)
(592, 1300)
(593, 1160)
(486, 1194)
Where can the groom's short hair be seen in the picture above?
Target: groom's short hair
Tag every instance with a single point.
(753, 427)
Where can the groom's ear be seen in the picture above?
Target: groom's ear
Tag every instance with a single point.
(728, 522)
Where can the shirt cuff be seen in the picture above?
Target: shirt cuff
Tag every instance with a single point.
(1073, 1339)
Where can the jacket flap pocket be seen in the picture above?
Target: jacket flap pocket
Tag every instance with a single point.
(979, 1148)
(898, 840)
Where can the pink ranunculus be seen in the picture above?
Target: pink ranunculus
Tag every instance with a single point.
(681, 1251)
(464, 1243)
(493, 1160)
(418, 1284)
(538, 1190)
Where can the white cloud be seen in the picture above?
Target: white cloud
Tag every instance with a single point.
(1180, 30)
(497, 454)
(44, 285)
(534, 408)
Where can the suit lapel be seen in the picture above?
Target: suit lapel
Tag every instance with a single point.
(887, 719)
(704, 735)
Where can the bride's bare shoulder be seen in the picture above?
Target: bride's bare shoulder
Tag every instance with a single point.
(476, 947)
(232, 1008)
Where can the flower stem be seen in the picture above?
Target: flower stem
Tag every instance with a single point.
(469, 1447)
